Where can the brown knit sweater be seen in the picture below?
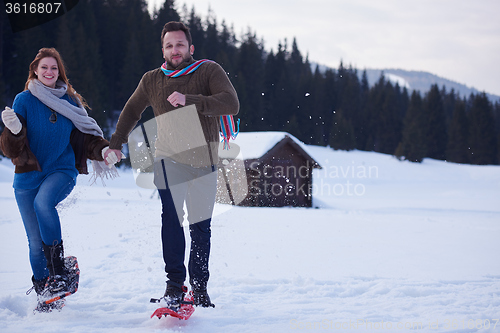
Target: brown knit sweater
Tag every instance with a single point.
(208, 89)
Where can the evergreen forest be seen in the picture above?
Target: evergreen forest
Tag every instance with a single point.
(107, 45)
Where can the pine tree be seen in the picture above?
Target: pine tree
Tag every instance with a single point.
(271, 71)
(90, 64)
(348, 97)
(295, 61)
(317, 102)
(131, 68)
(27, 43)
(384, 117)
(226, 56)
(150, 46)
(124, 24)
(64, 43)
(300, 72)
(6, 43)
(197, 34)
(283, 106)
(449, 100)
(251, 79)
(212, 42)
(497, 127)
(413, 145)
(293, 127)
(436, 125)
(342, 133)
(362, 130)
(330, 102)
(372, 113)
(403, 101)
(390, 121)
(458, 148)
(482, 139)
(164, 15)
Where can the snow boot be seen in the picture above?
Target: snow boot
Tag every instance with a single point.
(58, 278)
(201, 298)
(174, 295)
(38, 286)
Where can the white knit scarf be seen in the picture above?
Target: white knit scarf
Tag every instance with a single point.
(51, 97)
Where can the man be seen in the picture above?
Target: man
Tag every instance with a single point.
(187, 110)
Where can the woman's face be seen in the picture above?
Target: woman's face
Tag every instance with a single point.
(47, 71)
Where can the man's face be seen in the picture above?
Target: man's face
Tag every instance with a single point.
(176, 48)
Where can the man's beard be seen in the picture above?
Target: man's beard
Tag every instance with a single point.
(185, 58)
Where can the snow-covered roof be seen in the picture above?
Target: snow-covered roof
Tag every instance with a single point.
(256, 144)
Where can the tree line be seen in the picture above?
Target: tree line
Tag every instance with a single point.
(108, 45)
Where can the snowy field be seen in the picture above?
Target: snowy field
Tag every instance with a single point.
(393, 247)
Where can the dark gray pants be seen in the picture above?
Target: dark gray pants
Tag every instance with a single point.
(196, 187)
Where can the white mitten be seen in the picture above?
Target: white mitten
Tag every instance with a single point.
(110, 156)
(11, 121)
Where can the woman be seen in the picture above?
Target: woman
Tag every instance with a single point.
(49, 137)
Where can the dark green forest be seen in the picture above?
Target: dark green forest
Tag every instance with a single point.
(107, 46)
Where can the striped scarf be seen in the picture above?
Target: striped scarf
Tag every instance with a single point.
(228, 128)
(185, 71)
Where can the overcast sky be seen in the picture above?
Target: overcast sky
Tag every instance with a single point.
(455, 39)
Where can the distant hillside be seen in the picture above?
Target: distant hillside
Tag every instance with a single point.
(416, 80)
(422, 81)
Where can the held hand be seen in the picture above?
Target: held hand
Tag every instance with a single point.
(111, 156)
(176, 99)
(11, 121)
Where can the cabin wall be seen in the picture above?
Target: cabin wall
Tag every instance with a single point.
(282, 179)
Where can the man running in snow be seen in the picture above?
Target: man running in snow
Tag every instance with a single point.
(188, 97)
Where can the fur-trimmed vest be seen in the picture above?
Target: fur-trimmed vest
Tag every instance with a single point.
(16, 147)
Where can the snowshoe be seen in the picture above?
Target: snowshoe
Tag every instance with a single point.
(174, 306)
(42, 292)
(59, 287)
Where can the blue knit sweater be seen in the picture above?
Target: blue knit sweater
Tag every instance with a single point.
(50, 142)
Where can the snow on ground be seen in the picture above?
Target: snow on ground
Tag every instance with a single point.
(393, 247)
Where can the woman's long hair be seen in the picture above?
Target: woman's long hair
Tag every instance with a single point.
(52, 53)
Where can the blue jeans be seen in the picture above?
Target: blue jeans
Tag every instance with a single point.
(41, 221)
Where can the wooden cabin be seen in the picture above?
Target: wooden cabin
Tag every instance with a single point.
(278, 171)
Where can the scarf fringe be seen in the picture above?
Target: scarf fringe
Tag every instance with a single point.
(102, 171)
(228, 130)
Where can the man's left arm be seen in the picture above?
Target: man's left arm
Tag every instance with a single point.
(223, 99)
